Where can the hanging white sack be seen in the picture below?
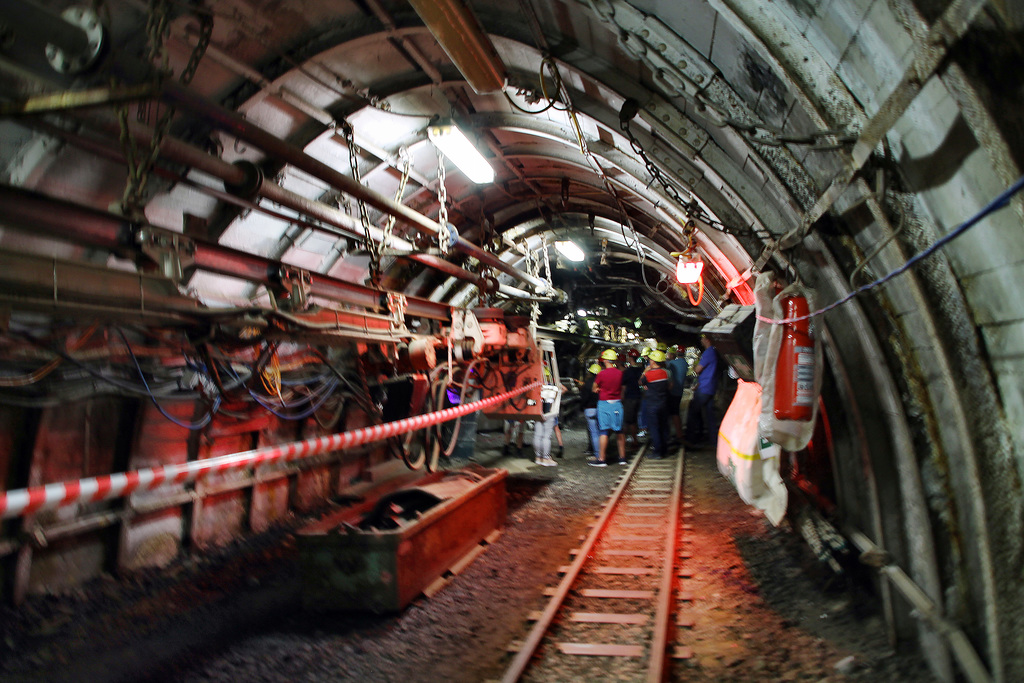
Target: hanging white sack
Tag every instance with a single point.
(802, 365)
(737, 440)
(748, 461)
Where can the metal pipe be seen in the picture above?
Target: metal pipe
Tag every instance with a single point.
(188, 155)
(462, 38)
(970, 663)
(238, 126)
(96, 228)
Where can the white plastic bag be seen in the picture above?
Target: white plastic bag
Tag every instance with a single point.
(748, 461)
(737, 435)
(793, 435)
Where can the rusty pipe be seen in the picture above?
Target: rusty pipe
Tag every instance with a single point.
(84, 225)
(193, 157)
(235, 124)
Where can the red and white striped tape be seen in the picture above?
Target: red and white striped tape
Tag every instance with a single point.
(52, 496)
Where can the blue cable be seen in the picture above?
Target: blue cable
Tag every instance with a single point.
(999, 202)
(191, 426)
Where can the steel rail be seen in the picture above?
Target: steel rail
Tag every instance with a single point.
(235, 124)
(529, 648)
(656, 663)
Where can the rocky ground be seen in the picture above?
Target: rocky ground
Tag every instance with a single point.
(763, 608)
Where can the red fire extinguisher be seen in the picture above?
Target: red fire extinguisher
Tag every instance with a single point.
(794, 372)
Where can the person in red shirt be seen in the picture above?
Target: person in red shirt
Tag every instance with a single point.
(608, 385)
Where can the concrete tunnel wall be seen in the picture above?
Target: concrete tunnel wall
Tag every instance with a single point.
(926, 397)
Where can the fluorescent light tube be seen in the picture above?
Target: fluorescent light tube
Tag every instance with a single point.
(457, 147)
(569, 250)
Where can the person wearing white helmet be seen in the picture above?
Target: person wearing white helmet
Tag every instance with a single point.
(609, 407)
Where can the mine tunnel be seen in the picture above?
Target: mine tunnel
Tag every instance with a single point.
(276, 274)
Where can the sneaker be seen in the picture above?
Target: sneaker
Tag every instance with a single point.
(548, 462)
(597, 463)
(623, 462)
(559, 451)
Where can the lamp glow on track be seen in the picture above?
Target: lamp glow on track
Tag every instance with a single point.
(454, 144)
(569, 250)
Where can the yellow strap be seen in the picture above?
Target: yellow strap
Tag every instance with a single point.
(735, 452)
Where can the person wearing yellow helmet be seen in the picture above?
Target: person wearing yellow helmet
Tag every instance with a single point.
(608, 384)
(589, 402)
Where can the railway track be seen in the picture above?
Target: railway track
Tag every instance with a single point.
(610, 617)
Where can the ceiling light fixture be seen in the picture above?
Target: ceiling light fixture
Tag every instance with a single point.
(569, 250)
(688, 270)
(581, 312)
(456, 146)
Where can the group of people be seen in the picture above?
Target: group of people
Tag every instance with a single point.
(635, 391)
(626, 394)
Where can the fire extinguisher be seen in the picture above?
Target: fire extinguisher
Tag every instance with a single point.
(794, 372)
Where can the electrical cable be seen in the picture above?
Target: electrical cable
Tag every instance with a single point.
(999, 202)
(191, 426)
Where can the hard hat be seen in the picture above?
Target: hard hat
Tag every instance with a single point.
(662, 346)
(594, 368)
(657, 356)
(646, 350)
(633, 353)
(609, 354)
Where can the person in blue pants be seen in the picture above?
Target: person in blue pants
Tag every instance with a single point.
(700, 417)
(589, 401)
(655, 383)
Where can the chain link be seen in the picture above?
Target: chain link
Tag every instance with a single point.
(444, 236)
(629, 110)
(140, 163)
(389, 226)
(371, 246)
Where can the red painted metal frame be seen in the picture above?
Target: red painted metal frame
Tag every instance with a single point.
(21, 502)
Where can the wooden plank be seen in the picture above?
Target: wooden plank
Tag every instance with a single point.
(601, 650)
(617, 537)
(685, 596)
(608, 618)
(624, 571)
(685, 621)
(616, 593)
(682, 652)
(620, 552)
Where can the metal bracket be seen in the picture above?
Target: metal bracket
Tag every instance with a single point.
(298, 284)
(171, 251)
(396, 306)
(65, 61)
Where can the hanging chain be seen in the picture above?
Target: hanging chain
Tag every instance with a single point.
(364, 219)
(629, 110)
(444, 235)
(403, 156)
(690, 237)
(141, 162)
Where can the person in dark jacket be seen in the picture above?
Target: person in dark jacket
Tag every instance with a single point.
(631, 396)
(657, 388)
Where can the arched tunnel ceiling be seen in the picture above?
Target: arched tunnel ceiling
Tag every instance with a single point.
(854, 132)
